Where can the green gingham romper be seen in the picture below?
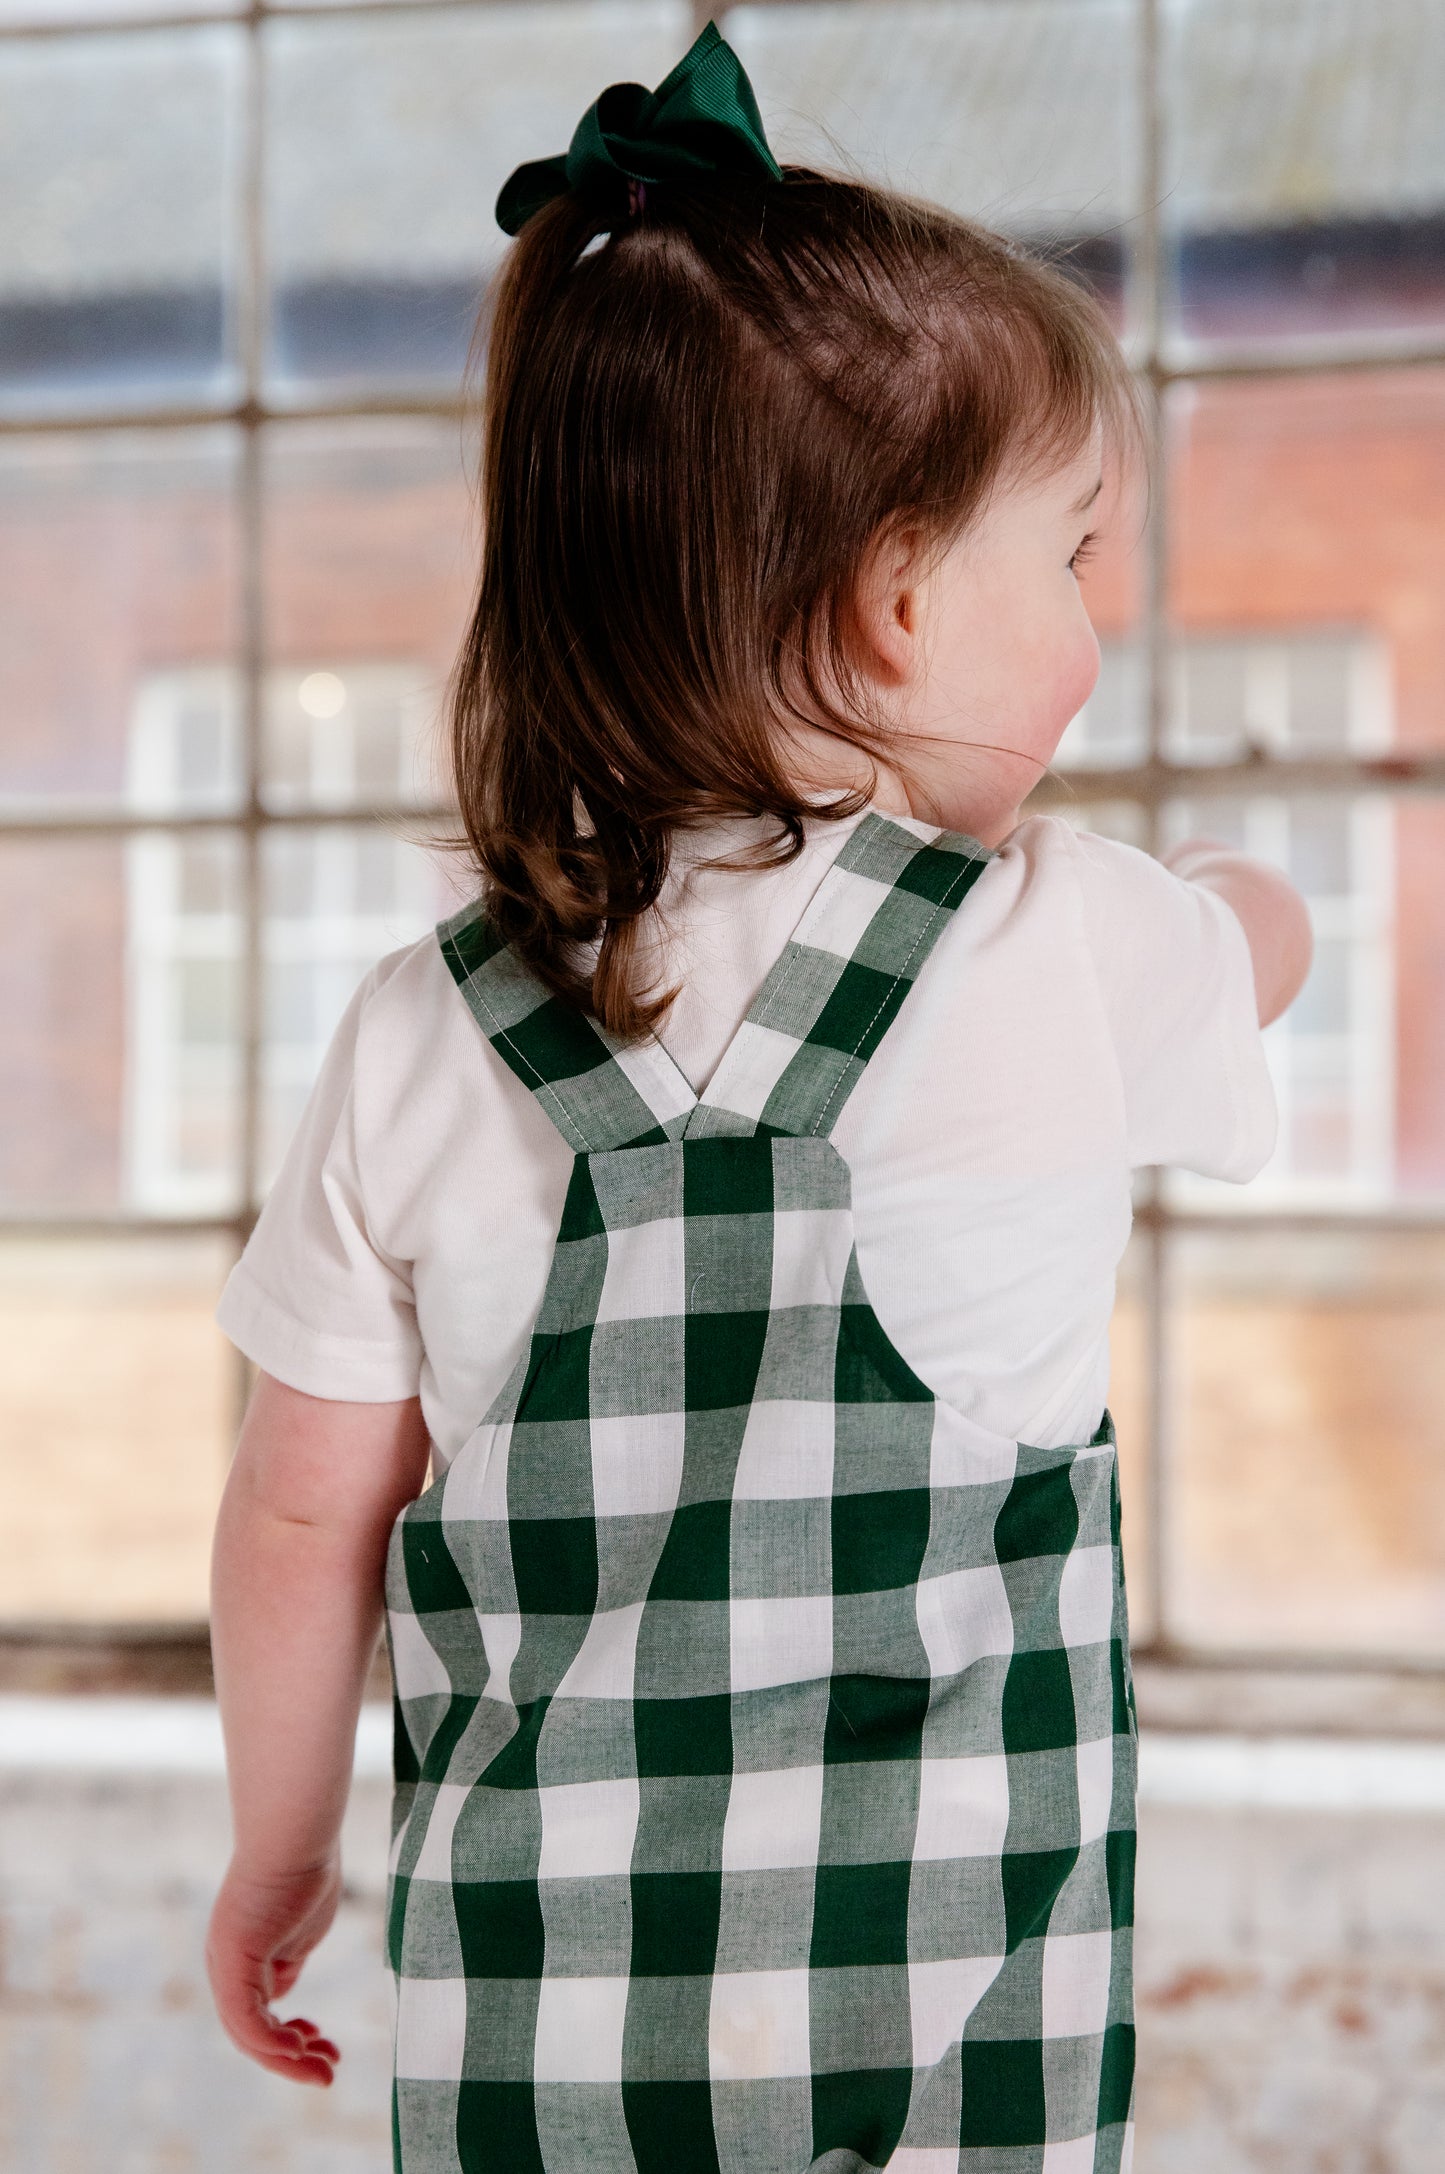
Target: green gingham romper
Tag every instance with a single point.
(765, 1740)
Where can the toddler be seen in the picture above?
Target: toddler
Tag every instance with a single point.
(724, 1211)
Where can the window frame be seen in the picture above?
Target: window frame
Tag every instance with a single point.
(1161, 360)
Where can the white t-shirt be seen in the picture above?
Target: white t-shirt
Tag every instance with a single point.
(1085, 1013)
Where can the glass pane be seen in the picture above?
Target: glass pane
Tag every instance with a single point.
(1357, 1060)
(119, 969)
(1307, 584)
(370, 563)
(390, 139)
(118, 585)
(1309, 1375)
(117, 217)
(1020, 113)
(1304, 179)
(38, 13)
(117, 1405)
(338, 898)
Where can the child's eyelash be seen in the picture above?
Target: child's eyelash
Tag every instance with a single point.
(1086, 548)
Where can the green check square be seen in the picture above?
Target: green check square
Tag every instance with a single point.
(405, 1766)
(724, 1352)
(1038, 1515)
(868, 1370)
(1116, 2080)
(683, 1735)
(497, 2127)
(875, 1717)
(432, 1578)
(941, 878)
(581, 1215)
(860, 1915)
(559, 1377)
(1002, 2099)
(675, 1917)
(1038, 1702)
(556, 1042)
(859, 998)
(499, 1926)
(1031, 1883)
(860, 2113)
(695, 1559)
(669, 2126)
(554, 1564)
(515, 1765)
(727, 1177)
(1121, 1847)
(879, 1539)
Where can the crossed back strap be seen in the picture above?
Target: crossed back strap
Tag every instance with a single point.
(821, 1012)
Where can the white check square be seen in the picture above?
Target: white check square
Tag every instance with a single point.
(1074, 2157)
(420, 1669)
(588, 1828)
(431, 2028)
(962, 1807)
(749, 1073)
(787, 1452)
(964, 1616)
(605, 1664)
(1074, 1997)
(811, 1251)
(1086, 1597)
(579, 2030)
(780, 1641)
(502, 1640)
(637, 1463)
(758, 2024)
(846, 914)
(942, 1997)
(646, 1272)
(773, 1820)
(434, 1858)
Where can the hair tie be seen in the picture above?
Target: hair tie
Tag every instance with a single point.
(701, 123)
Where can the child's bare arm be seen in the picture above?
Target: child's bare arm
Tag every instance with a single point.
(295, 1614)
(1274, 917)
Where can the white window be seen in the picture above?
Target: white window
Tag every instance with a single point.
(1332, 1056)
(336, 897)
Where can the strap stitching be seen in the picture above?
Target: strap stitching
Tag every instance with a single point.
(942, 905)
(568, 1122)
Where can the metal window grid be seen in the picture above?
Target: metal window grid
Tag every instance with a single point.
(1160, 360)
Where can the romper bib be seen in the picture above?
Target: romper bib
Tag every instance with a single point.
(765, 1743)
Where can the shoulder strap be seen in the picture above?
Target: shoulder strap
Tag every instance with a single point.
(840, 981)
(598, 1092)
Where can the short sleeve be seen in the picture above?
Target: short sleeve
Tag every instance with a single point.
(1177, 981)
(314, 1300)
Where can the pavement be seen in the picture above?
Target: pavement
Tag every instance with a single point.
(1291, 1956)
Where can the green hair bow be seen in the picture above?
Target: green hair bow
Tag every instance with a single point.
(701, 121)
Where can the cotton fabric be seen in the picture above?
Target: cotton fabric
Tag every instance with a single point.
(1089, 1013)
(765, 1745)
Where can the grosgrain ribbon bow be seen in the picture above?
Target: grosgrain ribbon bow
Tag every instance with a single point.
(702, 121)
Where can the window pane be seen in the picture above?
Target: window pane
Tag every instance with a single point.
(1017, 112)
(118, 559)
(1309, 1375)
(1307, 584)
(1358, 1058)
(391, 136)
(117, 1399)
(337, 899)
(119, 965)
(1304, 183)
(117, 215)
(370, 560)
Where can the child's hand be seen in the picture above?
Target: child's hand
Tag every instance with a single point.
(262, 1930)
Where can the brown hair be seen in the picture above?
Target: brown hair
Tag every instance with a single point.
(695, 424)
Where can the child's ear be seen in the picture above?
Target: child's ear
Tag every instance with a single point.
(887, 607)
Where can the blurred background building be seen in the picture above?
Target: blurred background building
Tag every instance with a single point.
(241, 256)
